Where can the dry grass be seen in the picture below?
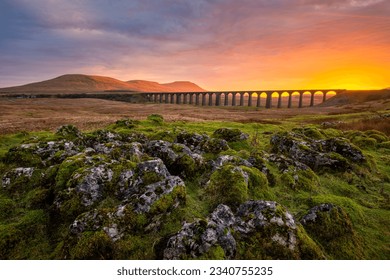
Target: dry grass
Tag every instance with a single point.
(380, 124)
(87, 114)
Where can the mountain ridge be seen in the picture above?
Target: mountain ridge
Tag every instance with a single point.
(80, 83)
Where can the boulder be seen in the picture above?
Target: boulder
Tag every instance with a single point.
(258, 229)
(329, 154)
(202, 143)
(331, 226)
(90, 183)
(198, 238)
(228, 159)
(69, 132)
(230, 134)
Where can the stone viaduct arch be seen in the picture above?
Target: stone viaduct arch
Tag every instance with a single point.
(242, 98)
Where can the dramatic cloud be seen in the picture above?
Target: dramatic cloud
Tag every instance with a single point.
(219, 44)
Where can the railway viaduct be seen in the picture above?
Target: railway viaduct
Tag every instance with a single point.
(214, 98)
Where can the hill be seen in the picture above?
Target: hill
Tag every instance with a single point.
(148, 86)
(78, 83)
(357, 96)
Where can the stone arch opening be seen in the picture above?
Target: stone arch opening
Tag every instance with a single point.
(273, 99)
(285, 98)
(294, 99)
(261, 99)
(317, 97)
(305, 98)
(234, 98)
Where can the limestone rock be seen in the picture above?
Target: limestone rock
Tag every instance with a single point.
(196, 239)
(266, 220)
(17, 174)
(90, 183)
(227, 159)
(332, 154)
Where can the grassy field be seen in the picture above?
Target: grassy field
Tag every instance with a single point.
(361, 191)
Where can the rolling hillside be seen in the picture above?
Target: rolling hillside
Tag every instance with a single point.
(78, 83)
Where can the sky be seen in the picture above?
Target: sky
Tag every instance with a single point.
(218, 44)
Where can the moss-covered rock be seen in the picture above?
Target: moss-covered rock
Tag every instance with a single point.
(320, 155)
(310, 132)
(305, 180)
(266, 230)
(365, 142)
(230, 134)
(69, 132)
(126, 123)
(228, 185)
(19, 181)
(23, 155)
(258, 230)
(331, 226)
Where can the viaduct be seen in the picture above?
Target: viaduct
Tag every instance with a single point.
(214, 98)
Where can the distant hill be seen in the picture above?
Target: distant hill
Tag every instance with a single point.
(148, 86)
(357, 96)
(78, 83)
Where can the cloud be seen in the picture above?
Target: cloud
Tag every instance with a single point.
(179, 39)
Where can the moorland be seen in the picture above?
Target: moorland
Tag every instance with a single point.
(101, 179)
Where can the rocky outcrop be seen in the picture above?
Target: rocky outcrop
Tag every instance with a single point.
(237, 232)
(202, 143)
(328, 154)
(124, 195)
(230, 135)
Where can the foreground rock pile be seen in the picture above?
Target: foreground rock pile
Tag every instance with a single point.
(109, 190)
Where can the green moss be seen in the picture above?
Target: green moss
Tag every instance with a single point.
(227, 186)
(309, 250)
(340, 163)
(150, 178)
(214, 253)
(305, 180)
(68, 132)
(20, 185)
(331, 133)
(156, 119)
(22, 157)
(133, 221)
(377, 135)
(334, 231)
(126, 123)
(228, 134)
(168, 201)
(10, 236)
(164, 135)
(93, 246)
(36, 198)
(385, 145)
(7, 208)
(66, 169)
(185, 166)
(70, 206)
(257, 184)
(311, 132)
(364, 142)
(134, 247)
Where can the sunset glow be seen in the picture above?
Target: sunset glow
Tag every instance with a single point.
(222, 45)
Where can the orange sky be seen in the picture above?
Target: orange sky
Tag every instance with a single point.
(220, 45)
